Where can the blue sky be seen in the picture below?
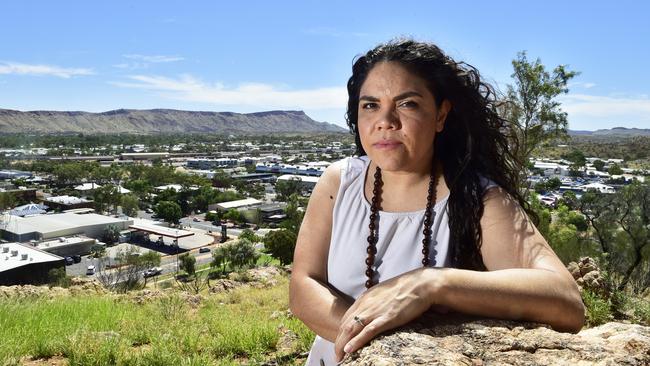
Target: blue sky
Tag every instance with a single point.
(247, 56)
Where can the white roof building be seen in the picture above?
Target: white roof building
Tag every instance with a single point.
(238, 204)
(87, 187)
(602, 188)
(61, 224)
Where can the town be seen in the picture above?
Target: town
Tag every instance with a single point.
(83, 215)
(71, 211)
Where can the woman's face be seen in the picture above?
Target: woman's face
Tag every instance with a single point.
(398, 118)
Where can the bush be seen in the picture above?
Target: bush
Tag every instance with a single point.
(280, 244)
(598, 309)
(250, 235)
(239, 254)
(58, 277)
(188, 264)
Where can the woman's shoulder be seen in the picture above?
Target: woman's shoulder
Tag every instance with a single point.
(347, 168)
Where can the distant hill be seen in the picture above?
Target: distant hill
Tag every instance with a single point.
(616, 131)
(160, 121)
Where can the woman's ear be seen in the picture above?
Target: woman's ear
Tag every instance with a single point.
(443, 110)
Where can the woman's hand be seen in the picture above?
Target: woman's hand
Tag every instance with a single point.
(385, 306)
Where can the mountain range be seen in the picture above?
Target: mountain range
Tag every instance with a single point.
(616, 131)
(161, 121)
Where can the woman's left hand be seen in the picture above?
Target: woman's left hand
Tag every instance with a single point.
(385, 306)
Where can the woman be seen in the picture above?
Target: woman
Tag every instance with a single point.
(428, 216)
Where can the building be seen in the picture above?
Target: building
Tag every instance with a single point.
(22, 264)
(144, 156)
(67, 203)
(307, 183)
(208, 164)
(43, 227)
(238, 204)
(602, 188)
(14, 174)
(67, 247)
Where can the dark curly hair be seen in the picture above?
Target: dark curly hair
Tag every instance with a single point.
(475, 142)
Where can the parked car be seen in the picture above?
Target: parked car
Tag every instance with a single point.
(148, 210)
(154, 271)
(196, 219)
(204, 250)
(69, 261)
(90, 270)
(76, 258)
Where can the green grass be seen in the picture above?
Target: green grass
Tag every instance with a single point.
(229, 328)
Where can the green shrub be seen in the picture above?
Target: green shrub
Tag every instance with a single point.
(598, 309)
(58, 277)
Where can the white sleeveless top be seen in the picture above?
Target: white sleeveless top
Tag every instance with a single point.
(399, 248)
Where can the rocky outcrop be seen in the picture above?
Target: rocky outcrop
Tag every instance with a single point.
(438, 340)
(588, 276)
(155, 121)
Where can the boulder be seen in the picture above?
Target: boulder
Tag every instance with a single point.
(461, 340)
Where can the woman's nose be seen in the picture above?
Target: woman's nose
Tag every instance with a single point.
(388, 119)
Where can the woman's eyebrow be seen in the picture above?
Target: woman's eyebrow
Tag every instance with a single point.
(368, 98)
(396, 98)
(406, 95)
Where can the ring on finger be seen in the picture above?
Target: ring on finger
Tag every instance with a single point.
(359, 320)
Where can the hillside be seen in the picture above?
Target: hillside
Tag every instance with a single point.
(616, 131)
(157, 121)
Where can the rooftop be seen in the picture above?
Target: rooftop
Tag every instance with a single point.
(13, 255)
(55, 222)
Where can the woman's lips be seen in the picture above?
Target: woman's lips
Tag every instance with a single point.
(387, 145)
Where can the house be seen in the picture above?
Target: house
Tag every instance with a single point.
(22, 264)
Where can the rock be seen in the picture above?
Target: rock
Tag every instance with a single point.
(588, 276)
(461, 340)
(223, 285)
(288, 342)
(281, 314)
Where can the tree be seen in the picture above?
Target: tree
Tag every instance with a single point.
(106, 197)
(7, 200)
(250, 235)
(111, 235)
(169, 211)
(222, 180)
(599, 165)
(294, 214)
(239, 254)
(577, 159)
(281, 244)
(233, 215)
(243, 254)
(188, 263)
(286, 188)
(58, 277)
(614, 169)
(130, 205)
(532, 107)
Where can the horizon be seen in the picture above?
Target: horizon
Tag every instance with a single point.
(266, 111)
(255, 57)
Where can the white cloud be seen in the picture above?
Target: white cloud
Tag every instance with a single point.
(189, 89)
(16, 68)
(580, 84)
(592, 111)
(154, 58)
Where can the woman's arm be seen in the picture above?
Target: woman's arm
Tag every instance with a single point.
(310, 298)
(525, 281)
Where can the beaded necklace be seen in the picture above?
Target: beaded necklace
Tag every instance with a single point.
(429, 217)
